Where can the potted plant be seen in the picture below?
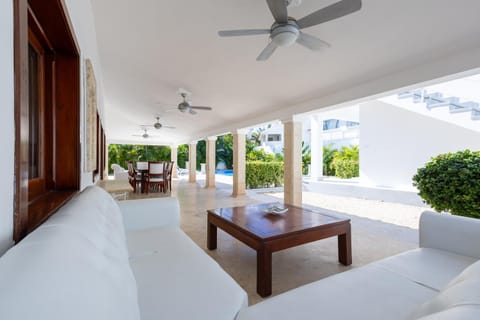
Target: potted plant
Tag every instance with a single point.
(451, 182)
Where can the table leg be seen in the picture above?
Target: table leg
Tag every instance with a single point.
(345, 248)
(264, 272)
(211, 236)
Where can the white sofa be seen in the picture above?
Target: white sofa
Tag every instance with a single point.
(440, 280)
(119, 173)
(82, 264)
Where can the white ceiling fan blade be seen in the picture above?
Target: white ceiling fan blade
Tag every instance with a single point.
(334, 11)
(200, 108)
(267, 52)
(279, 10)
(311, 42)
(168, 127)
(246, 32)
(192, 111)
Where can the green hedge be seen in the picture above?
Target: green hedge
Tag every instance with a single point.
(346, 168)
(264, 174)
(451, 182)
(346, 162)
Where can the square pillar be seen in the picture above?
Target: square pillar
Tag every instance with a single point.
(316, 146)
(210, 174)
(192, 162)
(292, 162)
(174, 158)
(239, 138)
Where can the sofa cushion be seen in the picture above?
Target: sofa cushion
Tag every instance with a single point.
(463, 293)
(177, 280)
(429, 267)
(463, 290)
(469, 312)
(368, 292)
(56, 274)
(471, 272)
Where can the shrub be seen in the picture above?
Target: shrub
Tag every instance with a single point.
(346, 168)
(328, 154)
(261, 174)
(346, 162)
(306, 158)
(451, 182)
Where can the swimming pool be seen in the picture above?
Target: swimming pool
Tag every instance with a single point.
(227, 172)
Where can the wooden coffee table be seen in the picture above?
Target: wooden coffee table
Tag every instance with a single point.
(268, 233)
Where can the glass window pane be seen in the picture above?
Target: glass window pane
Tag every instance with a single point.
(34, 113)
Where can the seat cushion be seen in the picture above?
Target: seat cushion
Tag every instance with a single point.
(468, 312)
(178, 280)
(56, 274)
(429, 267)
(368, 292)
(463, 290)
(463, 293)
(471, 272)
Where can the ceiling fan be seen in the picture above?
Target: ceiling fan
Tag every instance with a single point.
(157, 125)
(286, 30)
(185, 106)
(145, 134)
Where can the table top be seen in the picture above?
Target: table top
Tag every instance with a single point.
(255, 220)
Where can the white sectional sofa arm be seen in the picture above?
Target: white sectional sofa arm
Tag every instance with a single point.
(150, 213)
(455, 234)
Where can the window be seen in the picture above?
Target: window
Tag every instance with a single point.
(274, 137)
(47, 112)
(36, 119)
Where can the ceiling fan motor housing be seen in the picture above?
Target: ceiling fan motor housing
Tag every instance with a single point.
(183, 106)
(284, 35)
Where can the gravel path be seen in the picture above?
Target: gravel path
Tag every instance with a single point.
(394, 213)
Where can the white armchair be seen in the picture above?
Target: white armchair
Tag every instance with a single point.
(119, 173)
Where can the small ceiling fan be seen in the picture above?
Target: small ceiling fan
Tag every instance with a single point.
(286, 30)
(186, 107)
(157, 125)
(145, 134)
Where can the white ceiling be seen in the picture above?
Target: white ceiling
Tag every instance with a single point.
(150, 48)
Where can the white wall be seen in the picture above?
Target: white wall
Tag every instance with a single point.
(84, 27)
(395, 142)
(7, 130)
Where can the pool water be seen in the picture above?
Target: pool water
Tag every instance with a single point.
(228, 172)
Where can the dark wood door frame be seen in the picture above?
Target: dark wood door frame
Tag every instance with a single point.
(48, 19)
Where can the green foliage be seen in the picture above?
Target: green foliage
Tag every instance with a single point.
(122, 153)
(224, 150)
(201, 153)
(306, 157)
(346, 162)
(259, 155)
(182, 155)
(328, 154)
(261, 174)
(451, 182)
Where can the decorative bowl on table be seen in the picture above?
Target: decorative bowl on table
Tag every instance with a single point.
(275, 210)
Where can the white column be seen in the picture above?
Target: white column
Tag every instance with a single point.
(239, 138)
(192, 162)
(174, 158)
(316, 146)
(210, 174)
(292, 162)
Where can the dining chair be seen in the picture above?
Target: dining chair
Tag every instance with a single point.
(168, 176)
(155, 175)
(133, 177)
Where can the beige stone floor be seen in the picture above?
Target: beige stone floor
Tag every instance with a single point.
(372, 239)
